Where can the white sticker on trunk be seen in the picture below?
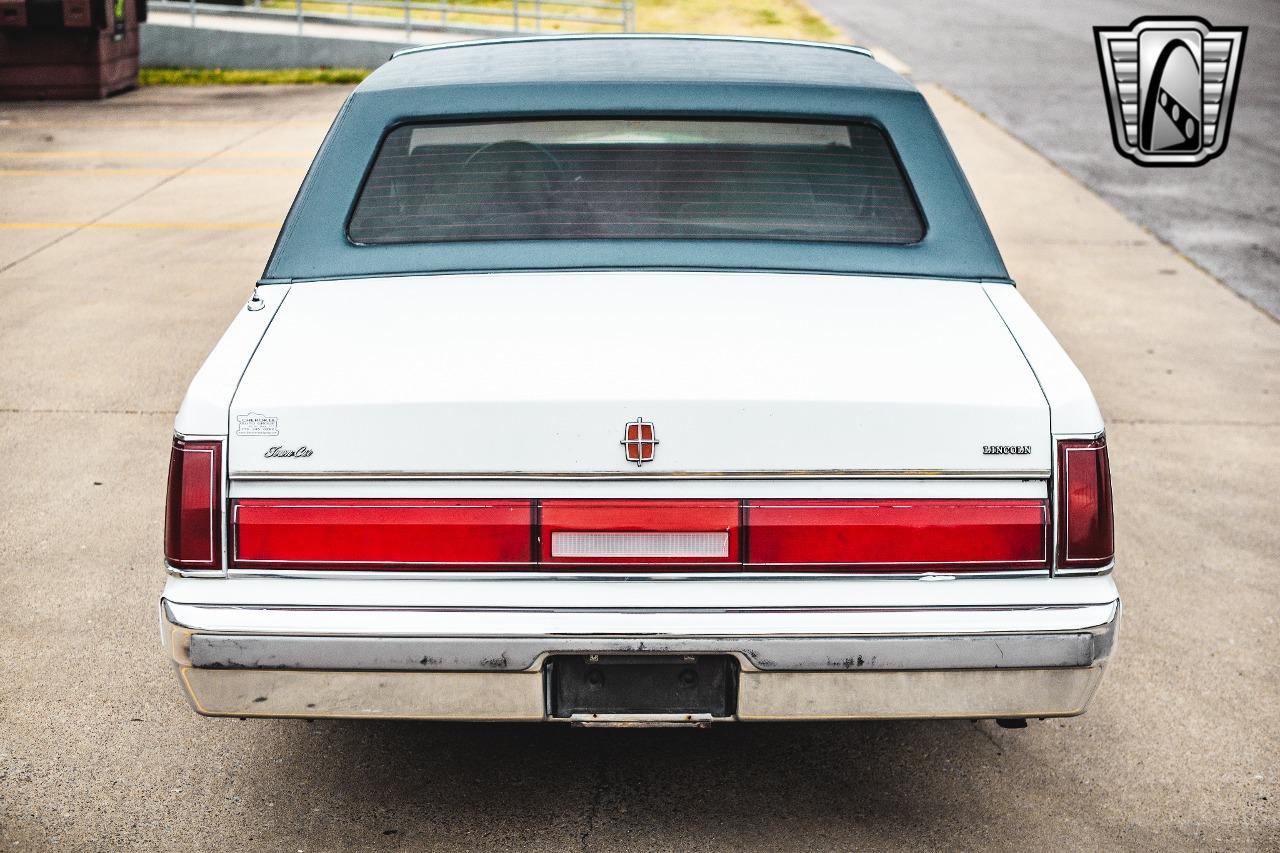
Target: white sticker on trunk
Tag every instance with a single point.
(256, 424)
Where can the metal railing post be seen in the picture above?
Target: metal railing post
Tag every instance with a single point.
(298, 9)
(515, 16)
(629, 16)
(193, 13)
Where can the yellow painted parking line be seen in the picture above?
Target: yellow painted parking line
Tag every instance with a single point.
(203, 123)
(148, 170)
(139, 226)
(154, 155)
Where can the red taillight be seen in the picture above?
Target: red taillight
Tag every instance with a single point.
(652, 533)
(908, 535)
(382, 534)
(897, 536)
(1086, 539)
(193, 508)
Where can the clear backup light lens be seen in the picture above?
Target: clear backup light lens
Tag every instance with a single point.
(649, 533)
(1087, 538)
(193, 508)
(606, 545)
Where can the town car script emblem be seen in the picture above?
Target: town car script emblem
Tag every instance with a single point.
(1170, 86)
(279, 452)
(639, 441)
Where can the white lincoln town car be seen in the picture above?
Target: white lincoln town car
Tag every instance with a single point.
(638, 380)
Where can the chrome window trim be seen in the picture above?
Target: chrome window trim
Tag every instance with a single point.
(847, 48)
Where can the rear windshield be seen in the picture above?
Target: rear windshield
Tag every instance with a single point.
(611, 178)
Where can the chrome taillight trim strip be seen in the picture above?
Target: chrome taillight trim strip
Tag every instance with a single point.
(622, 574)
(1073, 571)
(833, 474)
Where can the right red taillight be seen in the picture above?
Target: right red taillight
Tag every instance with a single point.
(193, 508)
(1086, 538)
(912, 535)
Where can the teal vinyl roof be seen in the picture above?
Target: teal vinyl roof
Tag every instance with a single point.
(640, 76)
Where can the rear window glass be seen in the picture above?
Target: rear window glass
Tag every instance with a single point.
(611, 178)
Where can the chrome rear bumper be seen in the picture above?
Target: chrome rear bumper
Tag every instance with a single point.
(795, 664)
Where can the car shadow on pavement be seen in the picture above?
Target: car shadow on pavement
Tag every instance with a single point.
(534, 786)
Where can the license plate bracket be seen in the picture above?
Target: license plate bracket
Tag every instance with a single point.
(579, 685)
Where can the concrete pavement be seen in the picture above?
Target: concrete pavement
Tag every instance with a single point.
(1033, 69)
(130, 232)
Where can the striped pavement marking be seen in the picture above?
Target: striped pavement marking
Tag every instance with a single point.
(140, 226)
(155, 155)
(143, 123)
(150, 170)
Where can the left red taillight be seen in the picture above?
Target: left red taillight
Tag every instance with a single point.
(384, 535)
(193, 507)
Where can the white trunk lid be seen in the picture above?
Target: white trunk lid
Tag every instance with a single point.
(539, 373)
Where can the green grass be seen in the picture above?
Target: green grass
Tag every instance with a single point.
(790, 19)
(770, 18)
(256, 77)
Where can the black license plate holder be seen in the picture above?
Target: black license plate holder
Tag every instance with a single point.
(580, 685)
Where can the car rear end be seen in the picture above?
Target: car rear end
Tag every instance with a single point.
(481, 524)
(631, 403)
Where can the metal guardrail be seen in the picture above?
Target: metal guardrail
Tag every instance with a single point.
(498, 18)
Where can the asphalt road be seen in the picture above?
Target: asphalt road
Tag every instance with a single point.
(130, 232)
(1032, 68)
